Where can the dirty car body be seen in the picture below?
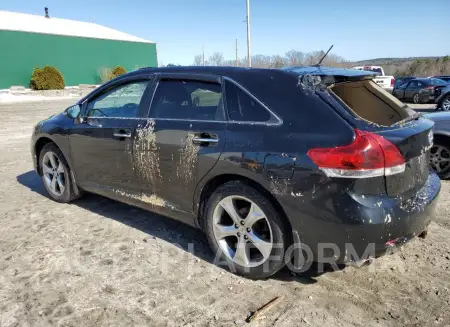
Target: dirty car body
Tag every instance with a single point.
(166, 139)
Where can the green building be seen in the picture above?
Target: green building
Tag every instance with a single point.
(80, 50)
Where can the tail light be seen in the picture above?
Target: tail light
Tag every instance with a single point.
(392, 82)
(431, 88)
(369, 155)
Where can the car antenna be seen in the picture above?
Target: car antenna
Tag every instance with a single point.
(318, 64)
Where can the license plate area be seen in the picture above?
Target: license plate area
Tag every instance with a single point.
(413, 178)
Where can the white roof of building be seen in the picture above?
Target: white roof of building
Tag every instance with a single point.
(13, 21)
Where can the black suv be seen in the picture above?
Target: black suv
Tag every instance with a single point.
(259, 159)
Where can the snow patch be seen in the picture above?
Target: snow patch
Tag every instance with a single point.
(7, 97)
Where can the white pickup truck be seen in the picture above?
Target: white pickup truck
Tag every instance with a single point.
(386, 82)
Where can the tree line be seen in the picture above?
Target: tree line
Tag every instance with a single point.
(398, 67)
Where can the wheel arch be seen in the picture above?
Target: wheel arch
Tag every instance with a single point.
(42, 141)
(219, 180)
(442, 97)
(442, 136)
(38, 146)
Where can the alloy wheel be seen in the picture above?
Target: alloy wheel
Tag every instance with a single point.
(416, 98)
(440, 158)
(446, 104)
(242, 231)
(53, 172)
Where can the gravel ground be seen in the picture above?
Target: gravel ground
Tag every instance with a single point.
(98, 262)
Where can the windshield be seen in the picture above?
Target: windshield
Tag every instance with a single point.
(375, 70)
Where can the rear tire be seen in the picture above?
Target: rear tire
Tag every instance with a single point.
(445, 104)
(440, 157)
(416, 98)
(55, 174)
(245, 231)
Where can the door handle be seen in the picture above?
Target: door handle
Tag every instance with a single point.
(196, 139)
(122, 135)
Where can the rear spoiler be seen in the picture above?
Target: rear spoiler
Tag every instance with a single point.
(330, 75)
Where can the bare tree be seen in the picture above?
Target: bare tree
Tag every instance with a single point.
(261, 61)
(216, 59)
(198, 60)
(295, 58)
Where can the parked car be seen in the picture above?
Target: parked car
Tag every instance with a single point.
(400, 80)
(386, 82)
(261, 160)
(440, 152)
(443, 77)
(420, 90)
(443, 99)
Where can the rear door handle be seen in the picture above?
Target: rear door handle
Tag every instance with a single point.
(122, 134)
(204, 140)
(127, 135)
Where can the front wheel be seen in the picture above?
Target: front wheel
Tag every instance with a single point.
(244, 229)
(55, 174)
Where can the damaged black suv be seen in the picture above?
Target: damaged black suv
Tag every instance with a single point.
(259, 159)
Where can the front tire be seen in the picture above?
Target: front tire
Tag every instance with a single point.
(245, 230)
(55, 174)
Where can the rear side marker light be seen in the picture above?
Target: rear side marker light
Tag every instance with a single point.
(369, 155)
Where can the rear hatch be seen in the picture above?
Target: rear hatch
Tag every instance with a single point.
(370, 109)
(414, 140)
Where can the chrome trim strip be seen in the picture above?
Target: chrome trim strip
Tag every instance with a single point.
(394, 170)
(189, 120)
(348, 173)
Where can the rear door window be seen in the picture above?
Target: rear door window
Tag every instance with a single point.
(187, 100)
(403, 86)
(242, 107)
(412, 85)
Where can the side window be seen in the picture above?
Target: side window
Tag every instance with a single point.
(122, 101)
(412, 85)
(420, 84)
(242, 107)
(187, 99)
(403, 86)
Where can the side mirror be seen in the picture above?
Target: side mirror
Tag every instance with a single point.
(73, 111)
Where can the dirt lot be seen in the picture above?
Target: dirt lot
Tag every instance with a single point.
(97, 262)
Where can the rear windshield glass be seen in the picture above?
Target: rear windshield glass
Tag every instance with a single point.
(371, 69)
(437, 81)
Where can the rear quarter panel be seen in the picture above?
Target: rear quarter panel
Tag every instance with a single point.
(275, 157)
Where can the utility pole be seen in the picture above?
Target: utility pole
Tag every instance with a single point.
(237, 60)
(203, 55)
(249, 56)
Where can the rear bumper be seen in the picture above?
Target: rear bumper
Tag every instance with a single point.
(360, 226)
(427, 98)
(389, 89)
